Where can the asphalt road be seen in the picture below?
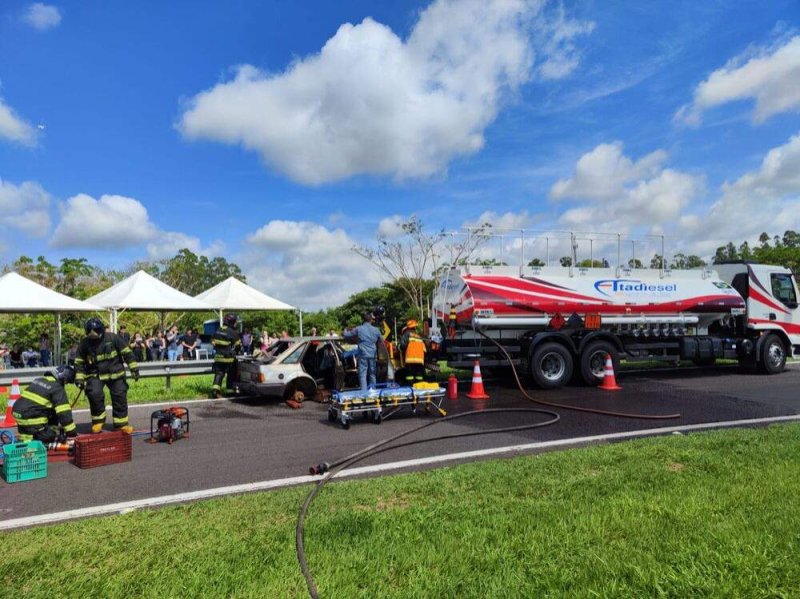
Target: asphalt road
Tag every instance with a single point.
(242, 441)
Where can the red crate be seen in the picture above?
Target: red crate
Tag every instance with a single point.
(103, 449)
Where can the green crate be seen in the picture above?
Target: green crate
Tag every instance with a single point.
(24, 461)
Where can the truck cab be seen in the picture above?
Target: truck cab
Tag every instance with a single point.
(771, 298)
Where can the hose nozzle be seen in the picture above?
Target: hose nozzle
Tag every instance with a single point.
(320, 468)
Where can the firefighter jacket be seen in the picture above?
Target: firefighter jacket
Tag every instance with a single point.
(103, 358)
(44, 401)
(414, 348)
(226, 342)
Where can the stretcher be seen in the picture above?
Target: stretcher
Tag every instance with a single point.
(378, 404)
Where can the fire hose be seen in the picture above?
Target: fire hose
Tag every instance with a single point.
(329, 470)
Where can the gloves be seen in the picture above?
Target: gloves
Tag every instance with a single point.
(72, 433)
(135, 374)
(80, 385)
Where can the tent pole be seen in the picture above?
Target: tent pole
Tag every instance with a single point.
(57, 344)
(300, 315)
(220, 317)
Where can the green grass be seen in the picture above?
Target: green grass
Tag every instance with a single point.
(706, 515)
(151, 389)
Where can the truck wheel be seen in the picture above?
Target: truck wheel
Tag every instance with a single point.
(593, 362)
(551, 365)
(773, 355)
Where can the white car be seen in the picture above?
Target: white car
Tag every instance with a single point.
(297, 368)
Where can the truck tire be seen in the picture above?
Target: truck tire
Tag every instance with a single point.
(551, 365)
(773, 355)
(593, 362)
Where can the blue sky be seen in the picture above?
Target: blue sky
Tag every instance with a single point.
(279, 134)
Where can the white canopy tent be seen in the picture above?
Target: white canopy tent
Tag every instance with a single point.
(143, 292)
(21, 295)
(232, 294)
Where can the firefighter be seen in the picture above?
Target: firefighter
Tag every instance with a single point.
(385, 368)
(227, 343)
(413, 348)
(42, 412)
(101, 363)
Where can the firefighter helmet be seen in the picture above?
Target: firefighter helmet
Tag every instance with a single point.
(95, 325)
(230, 320)
(64, 374)
(379, 312)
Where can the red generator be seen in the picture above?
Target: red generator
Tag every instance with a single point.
(169, 424)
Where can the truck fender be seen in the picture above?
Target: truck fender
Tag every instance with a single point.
(601, 335)
(556, 336)
(781, 335)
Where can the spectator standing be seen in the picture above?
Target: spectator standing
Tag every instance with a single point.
(189, 343)
(138, 346)
(5, 361)
(125, 335)
(172, 343)
(368, 337)
(72, 353)
(44, 350)
(247, 342)
(154, 346)
(284, 334)
(313, 331)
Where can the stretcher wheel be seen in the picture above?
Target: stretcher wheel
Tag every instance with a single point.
(331, 416)
(346, 425)
(377, 418)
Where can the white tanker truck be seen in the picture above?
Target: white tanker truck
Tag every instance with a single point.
(556, 322)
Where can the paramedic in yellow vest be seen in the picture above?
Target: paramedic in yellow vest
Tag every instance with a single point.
(413, 348)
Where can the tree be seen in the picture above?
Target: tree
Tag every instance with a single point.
(592, 263)
(565, 260)
(681, 261)
(194, 274)
(412, 258)
(536, 262)
(726, 253)
(635, 263)
(657, 261)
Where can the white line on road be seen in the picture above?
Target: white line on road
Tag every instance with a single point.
(127, 506)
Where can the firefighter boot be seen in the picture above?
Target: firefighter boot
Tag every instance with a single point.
(127, 429)
(97, 427)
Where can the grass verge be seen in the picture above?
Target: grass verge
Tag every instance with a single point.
(705, 515)
(150, 390)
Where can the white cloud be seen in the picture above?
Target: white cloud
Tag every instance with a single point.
(113, 221)
(505, 221)
(558, 46)
(391, 226)
(168, 243)
(14, 128)
(766, 200)
(306, 265)
(42, 16)
(604, 172)
(619, 194)
(770, 78)
(372, 103)
(25, 207)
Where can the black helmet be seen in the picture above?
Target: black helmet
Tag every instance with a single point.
(95, 325)
(379, 312)
(230, 320)
(64, 374)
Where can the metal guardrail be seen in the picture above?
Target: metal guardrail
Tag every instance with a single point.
(147, 369)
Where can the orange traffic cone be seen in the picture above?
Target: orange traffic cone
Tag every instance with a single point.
(12, 397)
(609, 380)
(477, 391)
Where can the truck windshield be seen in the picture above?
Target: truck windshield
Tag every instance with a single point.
(783, 289)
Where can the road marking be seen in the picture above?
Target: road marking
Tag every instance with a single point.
(177, 402)
(128, 506)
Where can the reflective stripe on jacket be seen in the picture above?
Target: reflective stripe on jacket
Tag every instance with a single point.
(42, 401)
(103, 358)
(415, 349)
(226, 342)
